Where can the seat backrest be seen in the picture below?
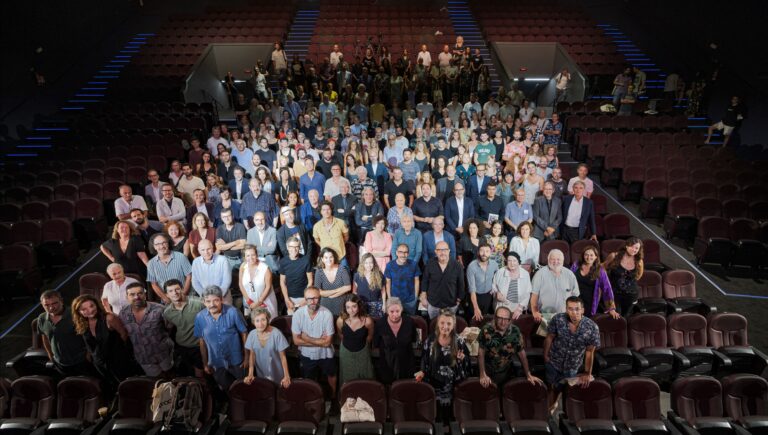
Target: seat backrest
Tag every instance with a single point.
(549, 245)
(372, 392)
(592, 402)
(412, 401)
(713, 226)
(696, 396)
(527, 325)
(422, 329)
(33, 397)
(93, 283)
(613, 332)
(522, 400)
(472, 401)
(647, 330)
(610, 246)
(636, 397)
(79, 397)
(649, 285)
(745, 395)
(252, 402)
(686, 329)
(135, 397)
(727, 329)
(679, 283)
(5, 397)
(302, 401)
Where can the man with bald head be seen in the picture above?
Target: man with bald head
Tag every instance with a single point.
(127, 202)
(442, 284)
(552, 285)
(210, 269)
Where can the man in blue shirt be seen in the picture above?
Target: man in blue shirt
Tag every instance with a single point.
(410, 237)
(403, 279)
(518, 211)
(256, 200)
(222, 333)
(311, 180)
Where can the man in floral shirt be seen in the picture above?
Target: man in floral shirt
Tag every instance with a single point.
(571, 340)
(499, 341)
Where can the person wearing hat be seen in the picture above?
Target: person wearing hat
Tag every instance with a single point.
(512, 286)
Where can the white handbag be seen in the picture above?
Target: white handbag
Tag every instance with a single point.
(356, 410)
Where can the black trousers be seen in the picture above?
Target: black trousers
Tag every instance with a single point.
(571, 234)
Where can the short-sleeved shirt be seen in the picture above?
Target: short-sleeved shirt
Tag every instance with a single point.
(184, 321)
(295, 272)
(151, 344)
(554, 290)
(115, 294)
(238, 232)
(484, 151)
(499, 348)
(402, 279)
(568, 348)
(480, 281)
(222, 336)
(391, 190)
(68, 348)
(267, 359)
(517, 214)
(315, 328)
(178, 267)
(331, 237)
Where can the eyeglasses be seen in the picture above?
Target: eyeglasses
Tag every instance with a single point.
(441, 249)
(312, 299)
(403, 252)
(293, 247)
(504, 319)
(160, 243)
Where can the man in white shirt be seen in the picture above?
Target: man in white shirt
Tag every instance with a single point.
(491, 107)
(170, 208)
(425, 57)
(472, 106)
(582, 170)
(444, 58)
(188, 183)
(215, 140)
(562, 79)
(526, 112)
(551, 286)
(335, 56)
(128, 202)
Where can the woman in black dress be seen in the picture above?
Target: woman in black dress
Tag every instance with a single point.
(470, 241)
(106, 340)
(126, 248)
(625, 267)
(395, 335)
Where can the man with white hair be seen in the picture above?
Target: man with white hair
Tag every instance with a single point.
(128, 202)
(552, 285)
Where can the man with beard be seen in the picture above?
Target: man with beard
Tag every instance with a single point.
(222, 333)
(143, 320)
(498, 342)
(181, 313)
(167, 265)
(139, 217)
(571, 340)
(480, 282)
(443, 284)
(312, 329)
(552, 285)
(64, 347)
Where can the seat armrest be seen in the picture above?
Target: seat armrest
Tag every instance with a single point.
(66, 424)
(602, 363)
(413, 427)
(722, 359)
(681, 360)
(641, 362)
(645, 425)
(368, 427)
(596, 425)
(19, 425)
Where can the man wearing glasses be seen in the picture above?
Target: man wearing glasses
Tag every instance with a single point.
(499, 341)
(443, 283)
(167, 265)
(571, 340)
(402, 277)
(458, 209)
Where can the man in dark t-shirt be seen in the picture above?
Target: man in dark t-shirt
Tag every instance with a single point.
(295, 275)
(734, 113)
(65, 348)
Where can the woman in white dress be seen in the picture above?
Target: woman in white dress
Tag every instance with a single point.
(256, 283)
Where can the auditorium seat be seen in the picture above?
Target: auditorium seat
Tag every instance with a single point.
(697, 406)
(614, 358)
(680, 221)
(62, 208)
(373, 393)
(679, 287)
(728, 333)
(10, 212)
(650, 294)
(748, 251)
(134, 413)
(617, 226)
(35, 210)
(300, 408)
(412, 407)
(476, 408)
(77, 404)
(688, 334)
(33, 403)
(653, 204)
(526, 409)
(610, 246)
(637, 404)
(535, 355)
(588, 410)
(648, 336)
(549, 245)
(5, 397)
(58, 246)
(712, 243)
(19, 271)
(93, 284)
(745, 400)
(578, 247)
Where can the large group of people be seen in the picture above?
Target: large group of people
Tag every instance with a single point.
(351, 223)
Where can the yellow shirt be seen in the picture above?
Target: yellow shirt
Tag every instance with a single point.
(331, 237)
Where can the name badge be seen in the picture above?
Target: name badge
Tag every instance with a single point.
(525, 211)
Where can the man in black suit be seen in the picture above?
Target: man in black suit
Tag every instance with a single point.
(478, 184)
(578, 214)
(547, 214)
(344, 205)
(226, 168)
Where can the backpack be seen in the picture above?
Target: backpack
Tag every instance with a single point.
(177, 404)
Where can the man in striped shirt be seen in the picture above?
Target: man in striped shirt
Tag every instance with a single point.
(167, 265)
